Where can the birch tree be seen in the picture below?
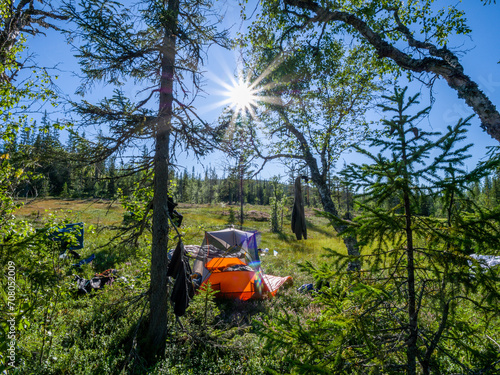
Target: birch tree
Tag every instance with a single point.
(312, 104)
(406, 36)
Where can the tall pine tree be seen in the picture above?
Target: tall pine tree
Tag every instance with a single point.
(159, 45)
(421, 303)
(422, 260)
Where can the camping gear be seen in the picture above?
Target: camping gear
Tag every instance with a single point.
(298, 214)
(486, 261)
(228, 259)
(85, 286)
(304, 288)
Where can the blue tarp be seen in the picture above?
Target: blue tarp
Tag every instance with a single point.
(75, 230)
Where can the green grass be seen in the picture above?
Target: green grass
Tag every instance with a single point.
(198, 218)
(93, 334)
(91, 211)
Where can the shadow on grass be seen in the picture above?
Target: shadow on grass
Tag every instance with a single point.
(112, 256)
(238, 313)
(323, 230)
(288, 238)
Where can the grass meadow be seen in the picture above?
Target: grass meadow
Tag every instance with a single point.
(104, 215)
(61, 332)
(66, 333)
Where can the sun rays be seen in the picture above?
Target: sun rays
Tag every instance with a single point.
(243, 95)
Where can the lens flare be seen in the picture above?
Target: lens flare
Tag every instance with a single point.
(242, 96)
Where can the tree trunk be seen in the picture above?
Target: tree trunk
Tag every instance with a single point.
(411, 351)
(241, 194)
(157, 331)
(350, 242)
(411, 342)
(325, 193)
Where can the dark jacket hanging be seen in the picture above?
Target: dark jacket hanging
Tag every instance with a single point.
(183, 290)
(298, 215)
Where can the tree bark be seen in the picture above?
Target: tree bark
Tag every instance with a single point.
(325, 194)
(158, 320)
(241, 172)
(411, 351)
(21, 18)
(441, 61)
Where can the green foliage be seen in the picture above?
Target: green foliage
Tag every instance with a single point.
(55, 326)
(95, 334)
(16, 96)
(433, 23)
(31, 257)
(203, 310)
(420, 293)
(38, 280)
(211, 188)
(391, 37)
(159, 45)
(65, 191)
(118, 43)
(231, 219)
(138, 212)
(92, 334)
(211, 343)
(313, 93)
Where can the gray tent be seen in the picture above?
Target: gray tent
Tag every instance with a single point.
(228, 259)
(227, 243)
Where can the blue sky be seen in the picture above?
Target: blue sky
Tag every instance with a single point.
(482, 52)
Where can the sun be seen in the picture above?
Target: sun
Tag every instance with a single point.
(242, 97)
(243, 94)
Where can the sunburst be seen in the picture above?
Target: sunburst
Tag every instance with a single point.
(243, 97)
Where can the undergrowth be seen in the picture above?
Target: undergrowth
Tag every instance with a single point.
(62, 332)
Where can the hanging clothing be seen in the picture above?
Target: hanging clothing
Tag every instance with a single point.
(298, 214)
(180, 270)
(174, 215)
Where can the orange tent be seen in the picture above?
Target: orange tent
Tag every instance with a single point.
(229, 261)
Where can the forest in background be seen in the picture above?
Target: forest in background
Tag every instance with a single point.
(58, 170)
